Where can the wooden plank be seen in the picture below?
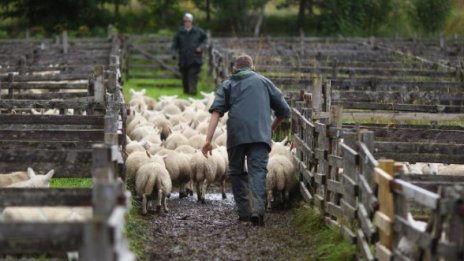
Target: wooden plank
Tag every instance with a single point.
(82, 85)
(418, 148)
(400, 107)
(320, 178)
(384, 217)
(41, 155)
(46, 104)
(350, 186)
(348, 234)
(305, 193)
(415, 194)
(363, 246)
(45, 144)
(40, 238)
(51, 197)
(51, 119)
(348, 210)
(404, 228)
(53, 135)
(335, 186)
(334, 210)
(367, 227)
(382, 253)
(367, 196)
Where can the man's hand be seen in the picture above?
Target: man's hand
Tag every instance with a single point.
(207, 148)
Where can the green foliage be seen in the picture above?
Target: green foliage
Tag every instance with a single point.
(355, 17)
(430, 16)
(328, 243)
(55, 15)
(238, 15)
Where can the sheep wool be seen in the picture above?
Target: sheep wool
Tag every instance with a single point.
(153, 178)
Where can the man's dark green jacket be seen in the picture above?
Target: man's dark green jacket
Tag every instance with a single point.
(249, 98)
(185, 43)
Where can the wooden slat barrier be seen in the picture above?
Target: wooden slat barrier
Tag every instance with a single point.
(340, 176)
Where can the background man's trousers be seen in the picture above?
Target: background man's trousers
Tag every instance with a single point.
(190, 77)
(249, 189)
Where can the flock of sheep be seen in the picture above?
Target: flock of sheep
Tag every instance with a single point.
(164, 141)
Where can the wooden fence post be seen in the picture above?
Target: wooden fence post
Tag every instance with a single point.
(385, 215)
(97, 240)
(99, 87)
(10, 86)
(65, 41)
(316, 92)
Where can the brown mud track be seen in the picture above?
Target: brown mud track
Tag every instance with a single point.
(211, 231)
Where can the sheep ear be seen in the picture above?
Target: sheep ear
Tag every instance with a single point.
(131, 91)
(164, 156)
(50, 174)
(148, 153)
(204, 93)
(143, 91)
(30, 173)
(284, 140)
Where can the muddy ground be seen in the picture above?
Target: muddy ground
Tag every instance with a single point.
(193, 231)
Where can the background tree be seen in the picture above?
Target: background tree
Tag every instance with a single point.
(429, 16)
(65, 13)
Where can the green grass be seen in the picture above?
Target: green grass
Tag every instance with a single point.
(71, 183)
(327, 243)
(205, 84)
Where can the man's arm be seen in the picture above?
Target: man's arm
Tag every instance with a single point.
(213, 122)
(174, 46)
(277, 121)
(203, 41)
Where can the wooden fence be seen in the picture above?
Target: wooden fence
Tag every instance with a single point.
(346, 170)
(91, 111)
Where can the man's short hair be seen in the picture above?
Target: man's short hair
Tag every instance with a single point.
(243, 61)
(188, 17)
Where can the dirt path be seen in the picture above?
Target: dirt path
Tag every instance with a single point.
(192, 231)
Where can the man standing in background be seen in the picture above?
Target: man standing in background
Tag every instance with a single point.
(188, 45)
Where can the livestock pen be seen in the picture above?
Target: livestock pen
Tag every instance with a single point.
(61, 108)
(356, 107)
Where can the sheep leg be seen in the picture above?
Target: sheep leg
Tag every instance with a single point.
(269, 199)
(223, 189)
(189, 188)
(182, 193)
(159, 200)
(144, 204)
(203, 191)
(198, 188)
(165, 206)
(286, 199)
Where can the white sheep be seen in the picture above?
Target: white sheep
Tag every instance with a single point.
(206, 171)
(279, 178)
(14, 177)
(202, 128)
(452, 169)
(163, 124)
(142, 131)
(197, 141)
(46, 214)
(171, 110)
(221, 140)
(175, 140)
(178, 166)
(280, 148)
(34, 181)
(177, 119)
(133, 162)
(153, 178)
(186, 149)
(133, 147)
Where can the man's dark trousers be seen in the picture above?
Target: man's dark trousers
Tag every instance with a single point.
(249, 189)
(190, 77)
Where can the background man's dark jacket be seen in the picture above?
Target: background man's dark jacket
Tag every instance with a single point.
(185, 44)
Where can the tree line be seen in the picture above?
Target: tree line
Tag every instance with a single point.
(241, 17)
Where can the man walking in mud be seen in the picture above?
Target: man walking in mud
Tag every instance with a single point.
(188, 45)
(249, 98)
